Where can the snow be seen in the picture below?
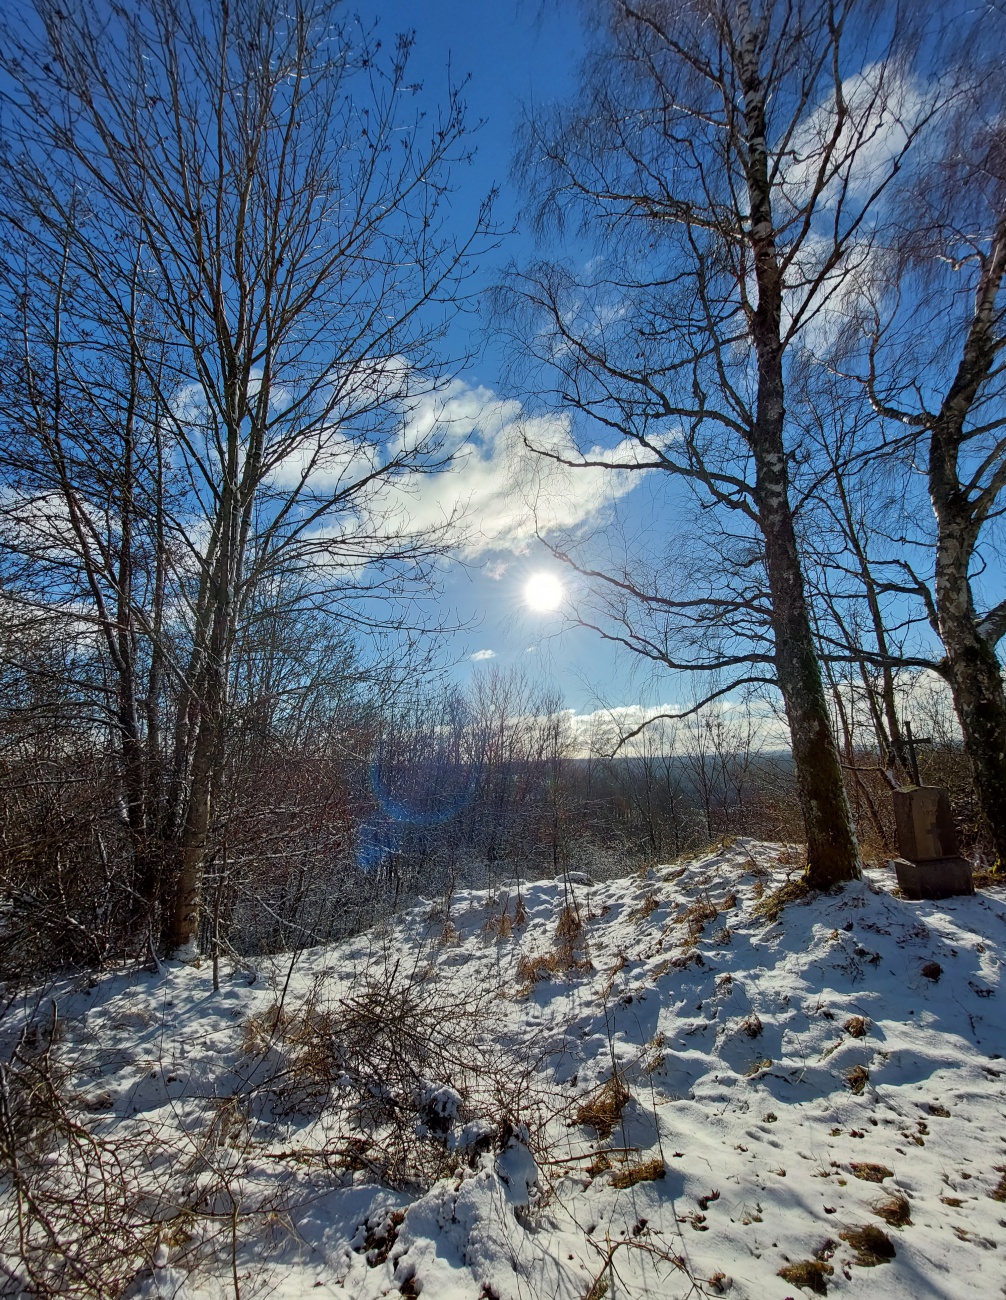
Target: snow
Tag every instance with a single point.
(733, 1034)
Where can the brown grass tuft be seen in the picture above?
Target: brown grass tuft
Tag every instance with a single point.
(810, 1273)
(696, 917)
(771, 905)
(569, 927)
(646, 908)
(599, 1287)
(306, 1038)
(870, 1173)
(532, 968)
(998, 1193)
(646, 1172)
(603, 1111)
(752, 1026)
(857, 1079)
(895, 1210)
(856, 1026)
(498, 925)
(872, 1245)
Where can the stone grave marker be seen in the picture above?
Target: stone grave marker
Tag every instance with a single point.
(930, 865)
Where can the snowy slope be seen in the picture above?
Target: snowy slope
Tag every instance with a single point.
(775, 1082)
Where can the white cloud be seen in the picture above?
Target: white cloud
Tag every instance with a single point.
(496, 495)
(746, 722)
(501, 493)
(479, 655)
(882, 108)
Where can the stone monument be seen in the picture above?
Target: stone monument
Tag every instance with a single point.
(930, 865)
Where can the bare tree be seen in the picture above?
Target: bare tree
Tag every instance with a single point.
(934, 373)
(723, 161)
(229, 268)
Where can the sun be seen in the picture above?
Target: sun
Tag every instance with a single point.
(543, 592)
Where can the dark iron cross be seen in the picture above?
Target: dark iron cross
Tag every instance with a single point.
(912, 741)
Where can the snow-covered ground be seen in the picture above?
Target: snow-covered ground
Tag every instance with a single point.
(673, 1095)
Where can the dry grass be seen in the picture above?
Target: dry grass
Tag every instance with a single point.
(657, 1058)
(998, 1193)
(771, 905)
(563, 959)
(872, 1245)
(305, 1036)
(646, 1172)
(603, 1111)
(857, 1079)
(752, 1026)
(498, 925)
(810, 1273)
(696, 918)
(856, 1026)
(894, 1210)
(598, 1288)
(646, 908)
(532, 968)
(932, 970)
(569, 927)
(870, 1173)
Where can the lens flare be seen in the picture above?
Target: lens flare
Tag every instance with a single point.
(543, 592)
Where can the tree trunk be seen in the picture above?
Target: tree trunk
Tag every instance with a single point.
(832, 852)
(973, 666)
(183, 923)
(975, 680)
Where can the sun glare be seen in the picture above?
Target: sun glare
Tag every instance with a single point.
(543, 592)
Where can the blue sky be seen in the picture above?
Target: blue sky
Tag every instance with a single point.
(514, 52)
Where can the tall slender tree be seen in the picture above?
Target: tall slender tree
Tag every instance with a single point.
(726, 161)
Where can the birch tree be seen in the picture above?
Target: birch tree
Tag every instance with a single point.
(934, 370)
(725, 163)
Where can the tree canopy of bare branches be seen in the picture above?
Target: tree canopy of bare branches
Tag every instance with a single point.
(226, 272)
(727, 162)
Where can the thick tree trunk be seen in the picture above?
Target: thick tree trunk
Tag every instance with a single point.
(973, 666)
(976, 682)
(832, 852)
(183, 923)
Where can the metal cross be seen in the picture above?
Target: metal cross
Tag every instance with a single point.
(912, 741)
